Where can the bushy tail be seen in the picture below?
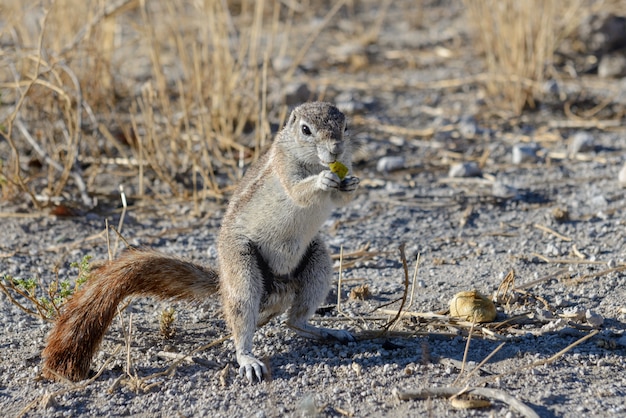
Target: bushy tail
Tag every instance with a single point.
(85, 318)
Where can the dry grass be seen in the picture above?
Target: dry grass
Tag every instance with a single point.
(154, 92)
(518, 40)
(172, 98)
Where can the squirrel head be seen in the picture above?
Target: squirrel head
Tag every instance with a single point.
(318, 130)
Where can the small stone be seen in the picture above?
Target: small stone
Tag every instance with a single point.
(622, 340)
(502, 190)
(387, 164)
(307, 406)
(281, 64)
(544, 315)
(552, 250)
(560, 302)
(554, 325)
(599, 201)
(581, 141)
(468, 128)
(560, 214)
(551, 87)
(612, 65)
(468, 169)
(397, 140)
(593, 319)
(622, 176)
(525, 153)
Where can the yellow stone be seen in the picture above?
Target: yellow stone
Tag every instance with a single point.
(472, 306)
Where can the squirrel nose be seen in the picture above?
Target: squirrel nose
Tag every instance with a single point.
(335, 148)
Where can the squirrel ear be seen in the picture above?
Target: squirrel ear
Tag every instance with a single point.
(292, 118)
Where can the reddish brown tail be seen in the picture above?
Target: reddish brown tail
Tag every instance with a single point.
(85, 318)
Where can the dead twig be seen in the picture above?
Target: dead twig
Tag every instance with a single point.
(619, 268)
(339, 281)
(481, 364)
(111, 10)
(405, 267)
(538, 363)
(417, 265)
(566, 260)
(467, 345)
(190, 359)
(553, 232)
(542, 279)
(450, 392)
(586, 124)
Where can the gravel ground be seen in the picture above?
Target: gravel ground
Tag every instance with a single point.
(552, 212)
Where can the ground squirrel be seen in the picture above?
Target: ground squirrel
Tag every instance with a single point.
(270, 254)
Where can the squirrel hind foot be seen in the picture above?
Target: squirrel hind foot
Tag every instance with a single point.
(253, 369)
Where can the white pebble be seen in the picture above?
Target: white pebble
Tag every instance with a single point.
(468, 169)
(593, 319)
(552, 250)
(599, 200)
(622, 176)
(387, 164)
(612, 65)
(502, 190)
(581, 141)
(525, 153)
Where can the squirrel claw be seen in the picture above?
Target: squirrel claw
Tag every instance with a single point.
(339, 335)
(251, 368)
(349, 184)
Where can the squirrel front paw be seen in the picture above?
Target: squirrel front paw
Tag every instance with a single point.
(349, 184)
(327, 180)
(253, 369)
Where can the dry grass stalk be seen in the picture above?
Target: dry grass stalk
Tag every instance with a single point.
(177, 89)
(166, 323)
(449, 392)
(390, 325)
(553, 232)
(538, 363)
(518, 40)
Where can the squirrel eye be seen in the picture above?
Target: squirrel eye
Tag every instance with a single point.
(306, 130)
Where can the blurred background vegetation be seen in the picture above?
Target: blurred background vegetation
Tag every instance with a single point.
(174, 97)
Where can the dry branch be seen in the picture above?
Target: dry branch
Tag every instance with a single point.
(450, 392)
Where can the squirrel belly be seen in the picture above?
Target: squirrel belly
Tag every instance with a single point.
(85, 318)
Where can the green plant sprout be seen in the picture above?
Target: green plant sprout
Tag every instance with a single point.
(29, 294)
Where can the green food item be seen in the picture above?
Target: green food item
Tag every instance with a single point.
(338, 168)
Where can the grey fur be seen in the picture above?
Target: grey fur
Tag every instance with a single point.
(278, 209)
